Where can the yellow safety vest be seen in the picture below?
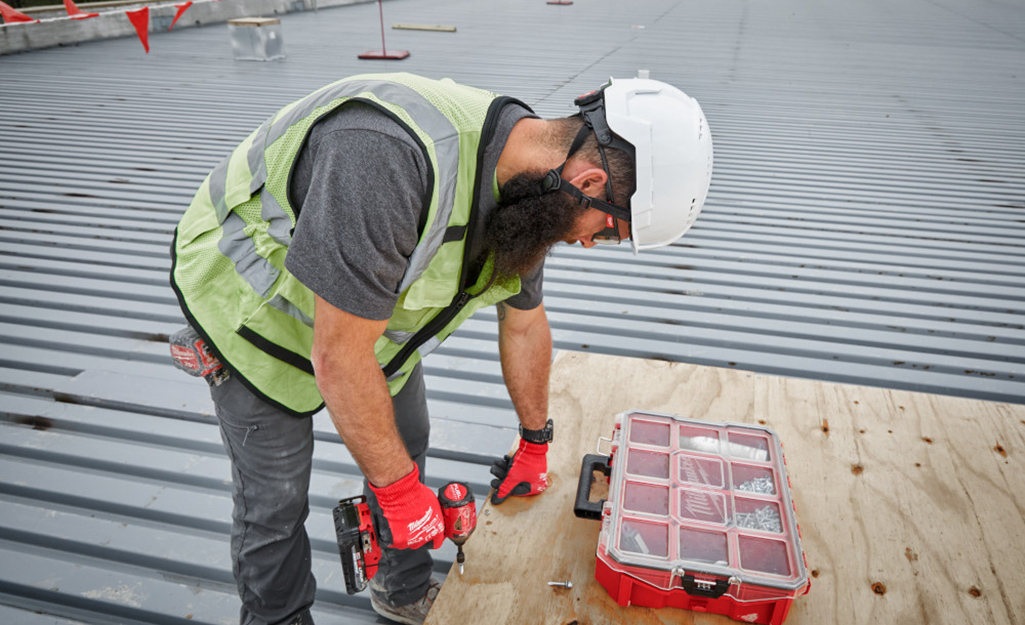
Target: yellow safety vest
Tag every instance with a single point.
(230, 246)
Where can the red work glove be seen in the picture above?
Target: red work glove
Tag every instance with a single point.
(525, 473)
(412, 511)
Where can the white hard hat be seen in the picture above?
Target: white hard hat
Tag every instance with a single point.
(673, 156)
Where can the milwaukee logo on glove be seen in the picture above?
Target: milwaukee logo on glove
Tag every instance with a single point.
(544, 483)
(399, 501)
(416, 527)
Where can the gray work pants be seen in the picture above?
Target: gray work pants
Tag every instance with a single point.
(271, 456)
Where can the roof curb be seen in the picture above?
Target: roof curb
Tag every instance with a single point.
(113, 22)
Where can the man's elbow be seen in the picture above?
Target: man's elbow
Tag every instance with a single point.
(321, 360)
(332, 364)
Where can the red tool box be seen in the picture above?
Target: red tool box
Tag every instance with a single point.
(699, 516)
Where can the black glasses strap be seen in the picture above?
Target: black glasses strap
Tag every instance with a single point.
(554, 181)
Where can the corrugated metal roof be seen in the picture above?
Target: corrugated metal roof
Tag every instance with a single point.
(864, 225)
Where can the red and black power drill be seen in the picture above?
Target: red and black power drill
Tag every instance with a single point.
(460, 515)
(357, 540)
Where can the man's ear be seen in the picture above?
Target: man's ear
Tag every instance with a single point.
(590, 180)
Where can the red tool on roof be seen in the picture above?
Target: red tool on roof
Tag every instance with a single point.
(460, 514)
(357, 538)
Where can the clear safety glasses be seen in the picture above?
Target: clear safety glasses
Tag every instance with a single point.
(609, 235)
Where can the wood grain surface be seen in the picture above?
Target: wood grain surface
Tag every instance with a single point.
(910, 505)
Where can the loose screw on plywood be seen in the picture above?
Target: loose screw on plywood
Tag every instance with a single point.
(564, 584)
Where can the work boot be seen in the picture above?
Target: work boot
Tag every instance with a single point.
(412, 613)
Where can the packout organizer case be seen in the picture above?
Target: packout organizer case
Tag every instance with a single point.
(699, 516)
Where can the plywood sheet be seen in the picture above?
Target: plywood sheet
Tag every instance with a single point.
(911, 505)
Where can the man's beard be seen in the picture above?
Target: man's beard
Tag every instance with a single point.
(525, 226)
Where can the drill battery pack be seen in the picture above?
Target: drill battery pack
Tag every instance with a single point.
(357, 543)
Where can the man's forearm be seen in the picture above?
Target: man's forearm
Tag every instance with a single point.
(361, 410)
(525, 348)
(356, 394)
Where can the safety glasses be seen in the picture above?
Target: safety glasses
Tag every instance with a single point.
(609, 235)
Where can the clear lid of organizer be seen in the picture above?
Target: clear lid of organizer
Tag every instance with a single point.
(702, 497)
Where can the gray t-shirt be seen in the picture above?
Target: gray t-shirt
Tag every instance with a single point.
(360, 186)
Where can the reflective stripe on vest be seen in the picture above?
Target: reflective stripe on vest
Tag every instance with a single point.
(429, 346)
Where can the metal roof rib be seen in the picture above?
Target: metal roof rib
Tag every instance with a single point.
(864, 225)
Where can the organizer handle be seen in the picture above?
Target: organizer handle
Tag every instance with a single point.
(583, 507)
(703, 588)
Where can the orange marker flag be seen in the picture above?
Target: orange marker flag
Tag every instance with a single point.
(181, 9)
(12, 15)
(140, 19)
(76, 13)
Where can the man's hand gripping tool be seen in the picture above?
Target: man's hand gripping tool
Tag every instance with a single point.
(357, 539)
